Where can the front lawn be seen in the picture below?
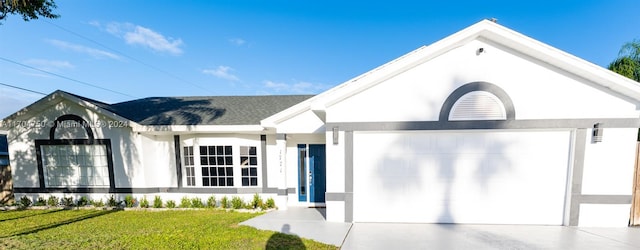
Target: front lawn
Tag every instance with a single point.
(112, 229)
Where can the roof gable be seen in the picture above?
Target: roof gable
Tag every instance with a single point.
(59, 95)
(486, 31)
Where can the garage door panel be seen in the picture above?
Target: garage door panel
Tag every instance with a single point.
(487, 177)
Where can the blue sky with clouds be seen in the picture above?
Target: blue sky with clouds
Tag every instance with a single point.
(120, 50)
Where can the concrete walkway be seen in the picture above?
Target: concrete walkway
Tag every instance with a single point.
(309, 223)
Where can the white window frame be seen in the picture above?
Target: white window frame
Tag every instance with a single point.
(236, 144)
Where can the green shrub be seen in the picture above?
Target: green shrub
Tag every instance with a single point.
(185, 202)
(112, 202)
(67, 201)
(196, 203)
(224, 203)
(53, 201)
(129, 201)
(157, 202)
(40, 202)
(257, 201)
(171, 204)
(144, 203)
(270, 203)
(97, 203)
(236, 202)
(211, 201)
(24, 202)
(247, 205)
(83, 201)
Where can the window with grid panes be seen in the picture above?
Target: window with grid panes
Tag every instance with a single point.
(216, 163)
(189, 166)
(249, 166)
(75, 165)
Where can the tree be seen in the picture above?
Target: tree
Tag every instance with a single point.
(628, 61)
(29, 9)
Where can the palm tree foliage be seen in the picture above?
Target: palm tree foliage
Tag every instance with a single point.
(628, 61)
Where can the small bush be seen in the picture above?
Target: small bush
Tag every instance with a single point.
(185, 202)
(157, 202)
(40, 202)
(211, 202)
(171, 204)
(24, 202)
(53, 201)
(144, 203)
(67, 201)
(248, 205)
(83, 201)
(257, 201)
(236, 202)
(112, 202)
(129, 201)
(224, 203)
(97, 203)
(270, 203)
(196, 203)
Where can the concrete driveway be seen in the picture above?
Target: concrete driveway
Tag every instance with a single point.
(309, 223)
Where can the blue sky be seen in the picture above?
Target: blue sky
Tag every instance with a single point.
(136, 49)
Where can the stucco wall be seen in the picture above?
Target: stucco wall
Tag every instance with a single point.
(158, 167)
(608, 165)
(538, 90)
(25, 129)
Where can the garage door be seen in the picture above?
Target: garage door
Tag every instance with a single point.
(461, 177)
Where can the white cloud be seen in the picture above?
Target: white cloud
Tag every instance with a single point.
(221, 72)
(49, 65)
(300, 87)
(138, 35)
(237, 41)
(96, 53)
(95, 23)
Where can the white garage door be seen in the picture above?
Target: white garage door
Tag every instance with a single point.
(461, 177)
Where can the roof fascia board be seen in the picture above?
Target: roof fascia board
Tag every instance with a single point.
(402, 64)
(43, 103)
(39, 105)
(563, 60)
(379, 74)
(199, 128)
(494, 33)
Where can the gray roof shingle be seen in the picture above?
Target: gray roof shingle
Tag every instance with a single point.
(206, 110)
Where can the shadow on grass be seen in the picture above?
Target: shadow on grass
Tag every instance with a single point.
(26, 215)
(55, 224)
(284, 240)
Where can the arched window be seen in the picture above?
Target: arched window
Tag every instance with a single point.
(478, 101)
(478, 105)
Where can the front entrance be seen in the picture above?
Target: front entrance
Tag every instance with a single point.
(311, 173)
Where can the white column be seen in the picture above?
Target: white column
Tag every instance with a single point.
(281, 145)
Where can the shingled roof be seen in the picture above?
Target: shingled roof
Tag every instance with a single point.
(205, 110)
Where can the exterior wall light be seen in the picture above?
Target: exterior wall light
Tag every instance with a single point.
(597, 133)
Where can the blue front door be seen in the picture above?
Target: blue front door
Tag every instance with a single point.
(317, 179)
(311, 172)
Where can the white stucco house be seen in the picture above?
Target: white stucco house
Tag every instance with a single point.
(484, 126)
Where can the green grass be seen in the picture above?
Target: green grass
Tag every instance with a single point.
(102, 229)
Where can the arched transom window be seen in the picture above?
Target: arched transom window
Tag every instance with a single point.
(478, 105)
